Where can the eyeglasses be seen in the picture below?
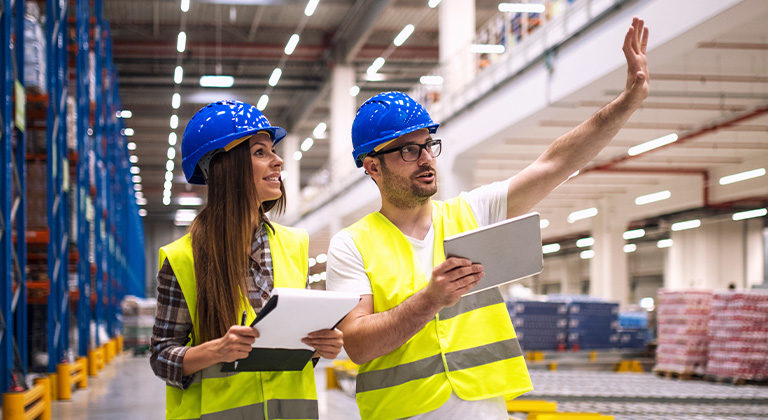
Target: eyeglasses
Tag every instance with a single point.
(412, 152)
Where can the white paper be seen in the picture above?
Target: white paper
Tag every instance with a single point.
(300, 312)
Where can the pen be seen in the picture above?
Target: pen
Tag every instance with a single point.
(242, 322)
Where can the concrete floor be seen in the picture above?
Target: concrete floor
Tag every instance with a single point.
(126, 389)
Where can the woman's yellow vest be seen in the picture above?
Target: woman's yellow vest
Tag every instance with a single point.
(252, 395)
(469, 348)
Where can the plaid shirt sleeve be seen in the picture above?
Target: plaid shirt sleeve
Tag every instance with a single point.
(172, 330)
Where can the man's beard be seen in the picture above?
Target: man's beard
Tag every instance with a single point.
(407, 192)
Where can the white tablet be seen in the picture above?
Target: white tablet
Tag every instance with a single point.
(509, 250)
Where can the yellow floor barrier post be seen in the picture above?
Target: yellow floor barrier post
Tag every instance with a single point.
(64, 372)
(93, 368)
(80, 376)
(101, 356)
(331, 382)
(119, 344)
(531, 406)
(30, 404)
(568, 416)
(110, 350)
(54, 383)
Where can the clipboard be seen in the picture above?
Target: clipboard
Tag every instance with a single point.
(509, 250)
(287, 317)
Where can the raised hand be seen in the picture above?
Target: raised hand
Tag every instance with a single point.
(635, 43)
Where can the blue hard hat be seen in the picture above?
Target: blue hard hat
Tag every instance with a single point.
(386, 117)
(216, 128)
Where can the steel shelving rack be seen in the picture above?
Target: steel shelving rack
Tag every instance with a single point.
(107, 240)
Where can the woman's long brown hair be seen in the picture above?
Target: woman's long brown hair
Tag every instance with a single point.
(221, 240)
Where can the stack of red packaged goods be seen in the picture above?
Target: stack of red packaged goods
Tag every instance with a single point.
(738, 335)
(683, 318)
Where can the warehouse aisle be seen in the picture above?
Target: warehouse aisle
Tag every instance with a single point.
(127, 389)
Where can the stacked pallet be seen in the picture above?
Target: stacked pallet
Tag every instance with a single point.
(683, 318)
(539, 325)
(738, 336)
(592, 324)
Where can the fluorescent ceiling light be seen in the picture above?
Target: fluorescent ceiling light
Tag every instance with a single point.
(169, 175)
(263, 101)
(172, 139)
(142, 212)
(166, 200)
(292, 42)
(749, 214)
(275, 77)
(297, 155)
(124, 114)
(321, 258)
(550, 248)
(582, 214)
(133, 159)
(431, 80)
(178, 75)
(217, 81)
(185, 215)
(131, 145)
(585, 255)
(486, 49)
(174, 121)
(377, 64)
(543, 223)
(374, 77)
(585, 242)
(311, 6)
(653, 144)
(135, 170)
(181, 43)
(171, 153)
(652, 198)
(136, 179)
(319, 130)
(128, 132)
(176, 101)
(307, 144)
(169, 166)
(742, 176)
(688, 224)
(630, 248)
(190, 201)
(354, 90)
(433, 3)
(633, 234)
(138, 193)
(141, 202)
(403, 35)
(168, 185)
(664, 243)
(185, 6)
(312, 262)
(521, 7)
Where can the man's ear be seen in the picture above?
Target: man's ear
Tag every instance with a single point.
(372, 167)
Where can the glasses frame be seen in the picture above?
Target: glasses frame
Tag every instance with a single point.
(421, 147)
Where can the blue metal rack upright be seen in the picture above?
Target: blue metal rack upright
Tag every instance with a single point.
(6, 239)
(99, 219)
(82, 189)
(58, 244)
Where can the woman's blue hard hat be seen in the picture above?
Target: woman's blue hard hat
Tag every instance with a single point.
(216, 128)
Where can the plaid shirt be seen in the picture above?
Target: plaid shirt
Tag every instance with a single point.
(173, 323)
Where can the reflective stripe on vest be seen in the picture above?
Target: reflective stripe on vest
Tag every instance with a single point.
(220, 395)
(470, 348)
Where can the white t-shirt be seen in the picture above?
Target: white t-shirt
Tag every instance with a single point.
(346, 272)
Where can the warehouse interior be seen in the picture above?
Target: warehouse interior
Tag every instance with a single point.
(653, 299)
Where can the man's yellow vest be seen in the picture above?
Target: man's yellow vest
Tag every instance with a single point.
(253, 395)
(469, 348)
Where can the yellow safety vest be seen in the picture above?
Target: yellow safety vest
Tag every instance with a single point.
(470, 348)
(253, 395)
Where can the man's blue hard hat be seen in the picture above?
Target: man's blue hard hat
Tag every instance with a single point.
(218, 127)
(384, 118)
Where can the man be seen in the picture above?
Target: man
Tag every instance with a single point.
(425, 352)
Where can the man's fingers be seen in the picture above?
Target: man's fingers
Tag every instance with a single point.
(644, 42)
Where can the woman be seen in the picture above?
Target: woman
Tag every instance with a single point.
(214, 280)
